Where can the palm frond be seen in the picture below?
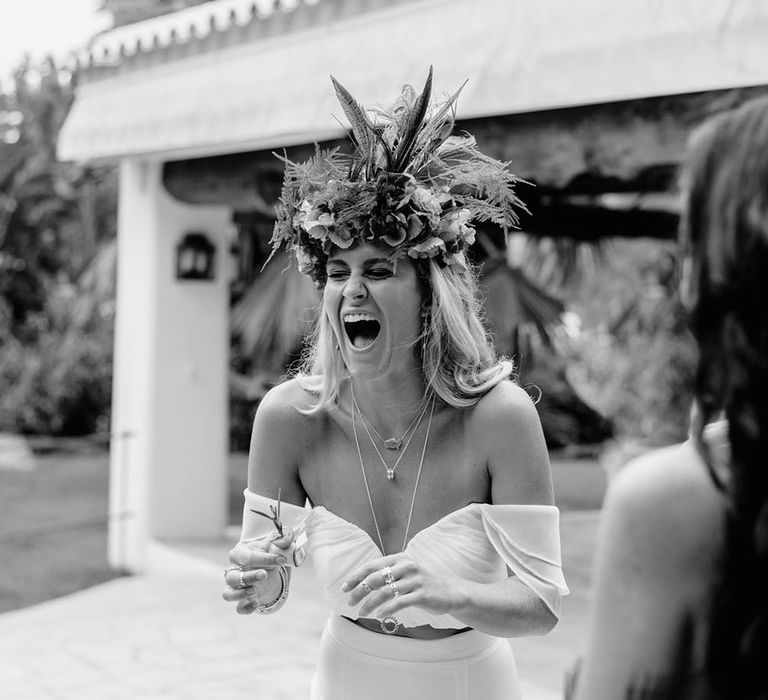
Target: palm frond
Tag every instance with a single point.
(96, 285)
(557, 262)
(514, 301)
(274, 314)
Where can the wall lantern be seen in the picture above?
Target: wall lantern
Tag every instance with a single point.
(195, 257)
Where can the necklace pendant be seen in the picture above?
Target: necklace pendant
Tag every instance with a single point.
(393, 443)
(390, 474)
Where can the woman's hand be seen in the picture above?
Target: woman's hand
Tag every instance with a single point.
(395, 582)
(253, 579)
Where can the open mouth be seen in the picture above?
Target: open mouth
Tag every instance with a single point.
(362, 329)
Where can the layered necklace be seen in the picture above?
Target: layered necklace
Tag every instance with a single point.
(394, 443)
(412, 428)
(418, 473)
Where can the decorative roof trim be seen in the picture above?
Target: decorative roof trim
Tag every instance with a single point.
(266, 85)
(179, 28)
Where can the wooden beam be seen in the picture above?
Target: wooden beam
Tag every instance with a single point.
(631, 146)
(243, 181)
(615, 139)
(590, 223)
(551, 148)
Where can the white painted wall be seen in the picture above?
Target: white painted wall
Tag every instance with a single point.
(168, 474)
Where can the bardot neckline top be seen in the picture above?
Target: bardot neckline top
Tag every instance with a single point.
(476, 542)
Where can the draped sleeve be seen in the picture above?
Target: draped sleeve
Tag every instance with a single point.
(528, 540)
(255, 526)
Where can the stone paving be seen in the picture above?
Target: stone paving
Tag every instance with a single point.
(168, 635)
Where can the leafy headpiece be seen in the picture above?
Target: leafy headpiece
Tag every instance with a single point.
(409, 186)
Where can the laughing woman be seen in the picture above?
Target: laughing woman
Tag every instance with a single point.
(430, 517)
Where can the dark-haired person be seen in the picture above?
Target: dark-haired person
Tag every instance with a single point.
(432, 527)
(681, 590)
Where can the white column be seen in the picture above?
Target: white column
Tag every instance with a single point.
(168, 476)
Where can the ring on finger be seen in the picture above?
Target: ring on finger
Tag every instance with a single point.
(365, 586)
(232, 568)
(243, 583)
(387, 574)
(395, 589)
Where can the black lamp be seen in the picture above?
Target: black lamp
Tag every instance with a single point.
(195, 257)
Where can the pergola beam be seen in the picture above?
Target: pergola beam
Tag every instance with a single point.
(577, 157)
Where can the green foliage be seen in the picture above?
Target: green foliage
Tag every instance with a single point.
(566, 418)
(61, 387)
(57, 224)
(634, 358)
(626, 352)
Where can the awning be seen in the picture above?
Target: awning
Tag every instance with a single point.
(518, 56)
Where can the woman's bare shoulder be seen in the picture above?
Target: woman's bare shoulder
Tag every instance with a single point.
(282, 419)
(281, 436)
(666, 501)
(670, 475)
(286, 401)
(507, 430)
(506, 402)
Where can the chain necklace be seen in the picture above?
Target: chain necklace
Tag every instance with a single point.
(394, 443)
(414, 425)
(415, 486)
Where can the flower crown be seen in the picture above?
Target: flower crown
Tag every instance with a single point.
(408, 186)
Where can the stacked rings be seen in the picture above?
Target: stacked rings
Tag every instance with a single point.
(387, 574)
(231, 568)
(389, 579)
(240, 571)
(364, 585)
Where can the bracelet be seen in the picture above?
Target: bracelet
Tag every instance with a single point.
(277, 603)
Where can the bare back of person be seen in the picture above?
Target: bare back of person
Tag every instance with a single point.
(660, 547)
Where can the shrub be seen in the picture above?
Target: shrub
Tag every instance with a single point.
(61, 387)
(634, 357)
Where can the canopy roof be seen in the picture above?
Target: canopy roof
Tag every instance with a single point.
(181, 27)
(232, 75)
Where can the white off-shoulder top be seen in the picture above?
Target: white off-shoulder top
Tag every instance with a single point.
(477, 543)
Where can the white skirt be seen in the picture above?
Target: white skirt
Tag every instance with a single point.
(357, 664)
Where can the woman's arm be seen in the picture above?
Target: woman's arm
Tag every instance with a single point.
(518, 463)
(277, 443)
(273, 467)
(507, 431)
(655, 562)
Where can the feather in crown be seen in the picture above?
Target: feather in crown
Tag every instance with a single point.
(409, 186)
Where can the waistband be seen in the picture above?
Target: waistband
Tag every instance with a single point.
(359, 640)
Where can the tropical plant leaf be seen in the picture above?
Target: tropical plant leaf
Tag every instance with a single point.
(273, 316)
(516, 301)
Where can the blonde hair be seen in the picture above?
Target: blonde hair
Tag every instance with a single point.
(458, 359)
